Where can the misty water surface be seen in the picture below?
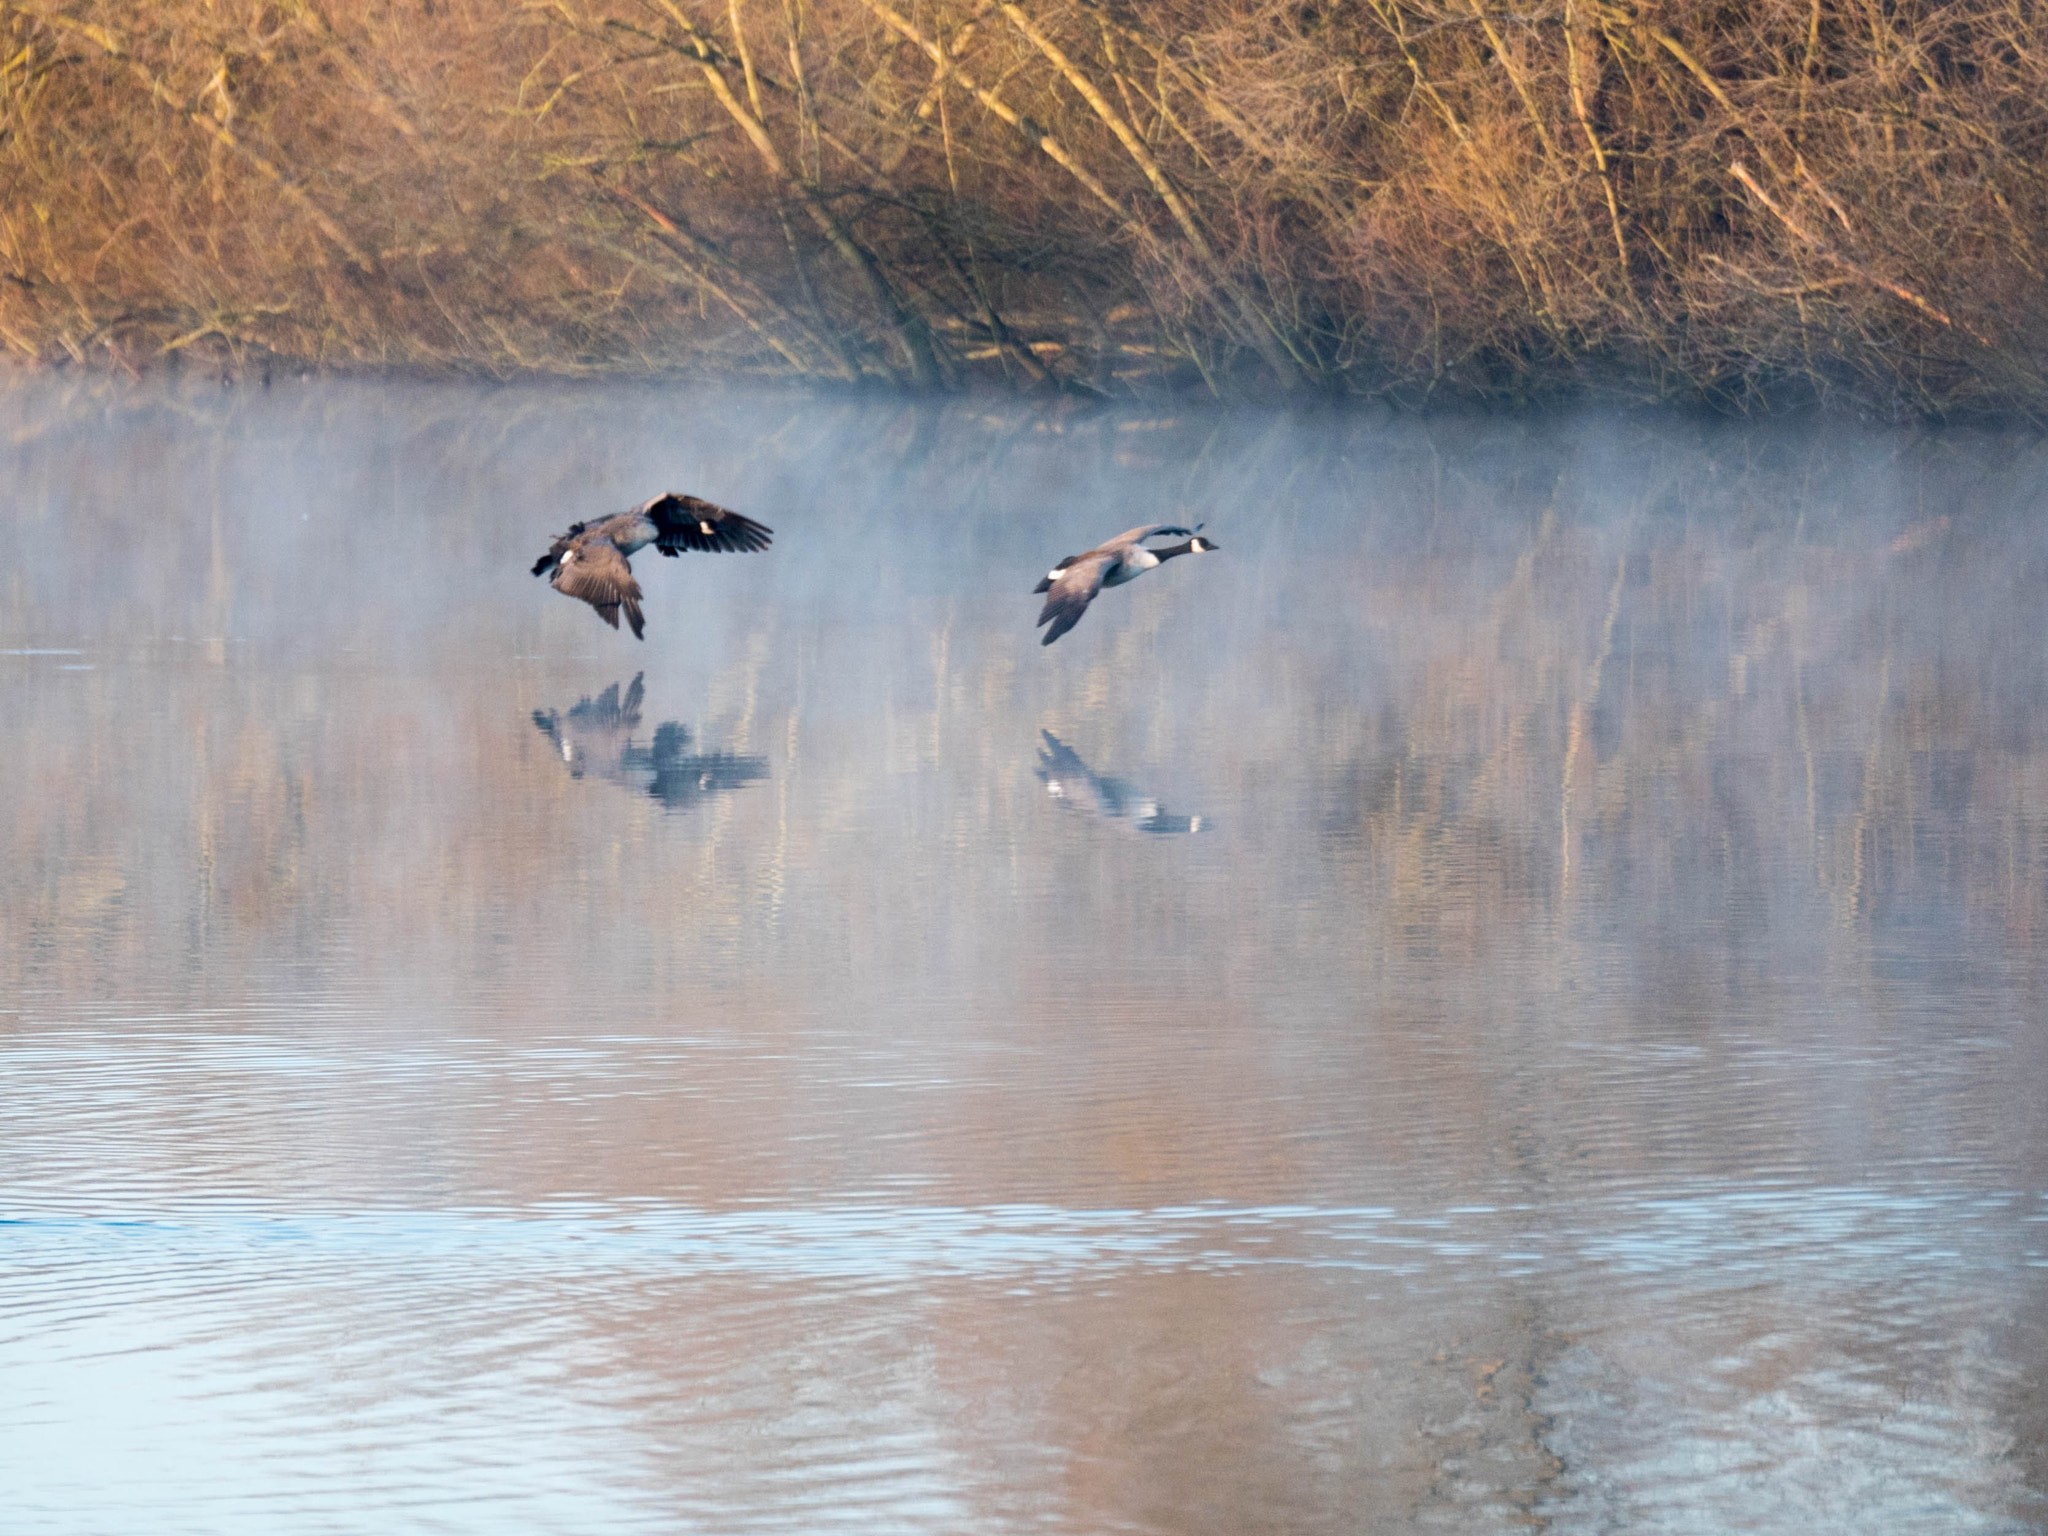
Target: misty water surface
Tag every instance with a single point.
(1510, 996)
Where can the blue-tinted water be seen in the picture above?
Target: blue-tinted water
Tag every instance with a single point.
(1507, 996)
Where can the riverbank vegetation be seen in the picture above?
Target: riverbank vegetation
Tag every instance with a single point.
(1750, 205)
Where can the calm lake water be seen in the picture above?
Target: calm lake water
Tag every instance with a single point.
(1510, 996)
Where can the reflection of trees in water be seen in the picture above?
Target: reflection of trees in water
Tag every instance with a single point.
(1070, 780)
(595, 737)
(1666, 722)
(1567, 790)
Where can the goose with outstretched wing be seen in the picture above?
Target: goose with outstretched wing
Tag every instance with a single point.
(591, 561)
(1071, 585)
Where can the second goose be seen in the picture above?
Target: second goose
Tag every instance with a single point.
(1072, 584)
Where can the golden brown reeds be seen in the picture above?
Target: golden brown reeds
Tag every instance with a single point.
(1789, 200)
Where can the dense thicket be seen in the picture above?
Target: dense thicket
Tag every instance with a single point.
(1737, 200)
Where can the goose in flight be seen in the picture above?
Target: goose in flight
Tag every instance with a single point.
(1072, 584)
(590, 560)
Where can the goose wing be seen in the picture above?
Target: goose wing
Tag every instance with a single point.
(1072, 591)
(1135, 536)
(594, 571)
(689, 522)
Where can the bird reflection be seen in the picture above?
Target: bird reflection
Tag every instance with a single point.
(1069, 779)
(595, 737)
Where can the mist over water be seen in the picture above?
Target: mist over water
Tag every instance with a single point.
(1510, 994)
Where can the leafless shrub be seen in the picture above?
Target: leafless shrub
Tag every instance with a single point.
(1418, 198)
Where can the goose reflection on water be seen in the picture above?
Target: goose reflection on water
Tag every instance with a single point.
(1070, 780)
(595, 738)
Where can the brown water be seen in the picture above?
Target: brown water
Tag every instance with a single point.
(1510, 996)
